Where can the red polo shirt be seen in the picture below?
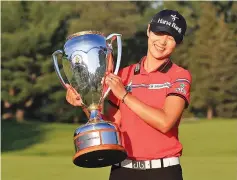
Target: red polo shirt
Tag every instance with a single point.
(142, 141)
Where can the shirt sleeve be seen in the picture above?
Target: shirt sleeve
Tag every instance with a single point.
(180, 86)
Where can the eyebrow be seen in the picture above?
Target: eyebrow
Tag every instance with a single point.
(163, 33)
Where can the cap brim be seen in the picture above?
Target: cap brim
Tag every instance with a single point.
(163, 28)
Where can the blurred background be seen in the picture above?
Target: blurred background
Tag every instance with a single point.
(37, 124)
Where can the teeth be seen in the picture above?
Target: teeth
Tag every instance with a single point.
(159, 48)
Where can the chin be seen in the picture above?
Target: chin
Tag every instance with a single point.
(159, 56)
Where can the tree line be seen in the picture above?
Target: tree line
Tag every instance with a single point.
(32, 31)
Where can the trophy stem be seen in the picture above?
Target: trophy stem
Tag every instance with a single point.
(94, 112)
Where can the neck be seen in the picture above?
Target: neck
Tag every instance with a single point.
(152, 63)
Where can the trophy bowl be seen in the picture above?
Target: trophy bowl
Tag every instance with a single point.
(86, 57)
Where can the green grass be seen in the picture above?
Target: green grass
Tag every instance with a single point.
(44, 152)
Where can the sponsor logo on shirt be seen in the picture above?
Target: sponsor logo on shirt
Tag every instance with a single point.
(181, 89)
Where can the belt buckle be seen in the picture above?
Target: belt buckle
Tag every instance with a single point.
(141, 165)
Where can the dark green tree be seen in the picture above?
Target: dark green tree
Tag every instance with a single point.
(29, 30)
(213, 61)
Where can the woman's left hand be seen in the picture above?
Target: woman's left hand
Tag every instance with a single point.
(116, 85)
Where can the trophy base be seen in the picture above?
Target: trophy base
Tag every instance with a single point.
(99, 156)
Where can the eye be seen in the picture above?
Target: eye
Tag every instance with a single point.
(171, 38)
(158, 33)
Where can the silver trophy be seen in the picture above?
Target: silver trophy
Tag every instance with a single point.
(86, 56)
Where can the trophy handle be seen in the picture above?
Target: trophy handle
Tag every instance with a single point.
(119, 54)
(55, 62)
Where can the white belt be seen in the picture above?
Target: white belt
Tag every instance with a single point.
(149, 164)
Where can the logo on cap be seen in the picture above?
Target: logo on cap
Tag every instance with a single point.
(174, 17)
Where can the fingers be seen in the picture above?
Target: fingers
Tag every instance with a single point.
(73, 99)
(116, 85)
(69, 97)
(112, 80)
(72, 96)
(67, 86)
(75, 92)
(113, 77)
(70, 88)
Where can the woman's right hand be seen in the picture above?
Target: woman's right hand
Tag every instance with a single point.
(72, 96)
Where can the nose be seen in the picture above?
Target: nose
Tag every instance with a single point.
(163, 40)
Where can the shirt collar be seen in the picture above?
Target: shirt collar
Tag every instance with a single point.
(163, 68)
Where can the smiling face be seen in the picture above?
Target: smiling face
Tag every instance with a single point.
(160, 44)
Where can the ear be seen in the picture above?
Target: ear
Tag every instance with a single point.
(147, 31)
